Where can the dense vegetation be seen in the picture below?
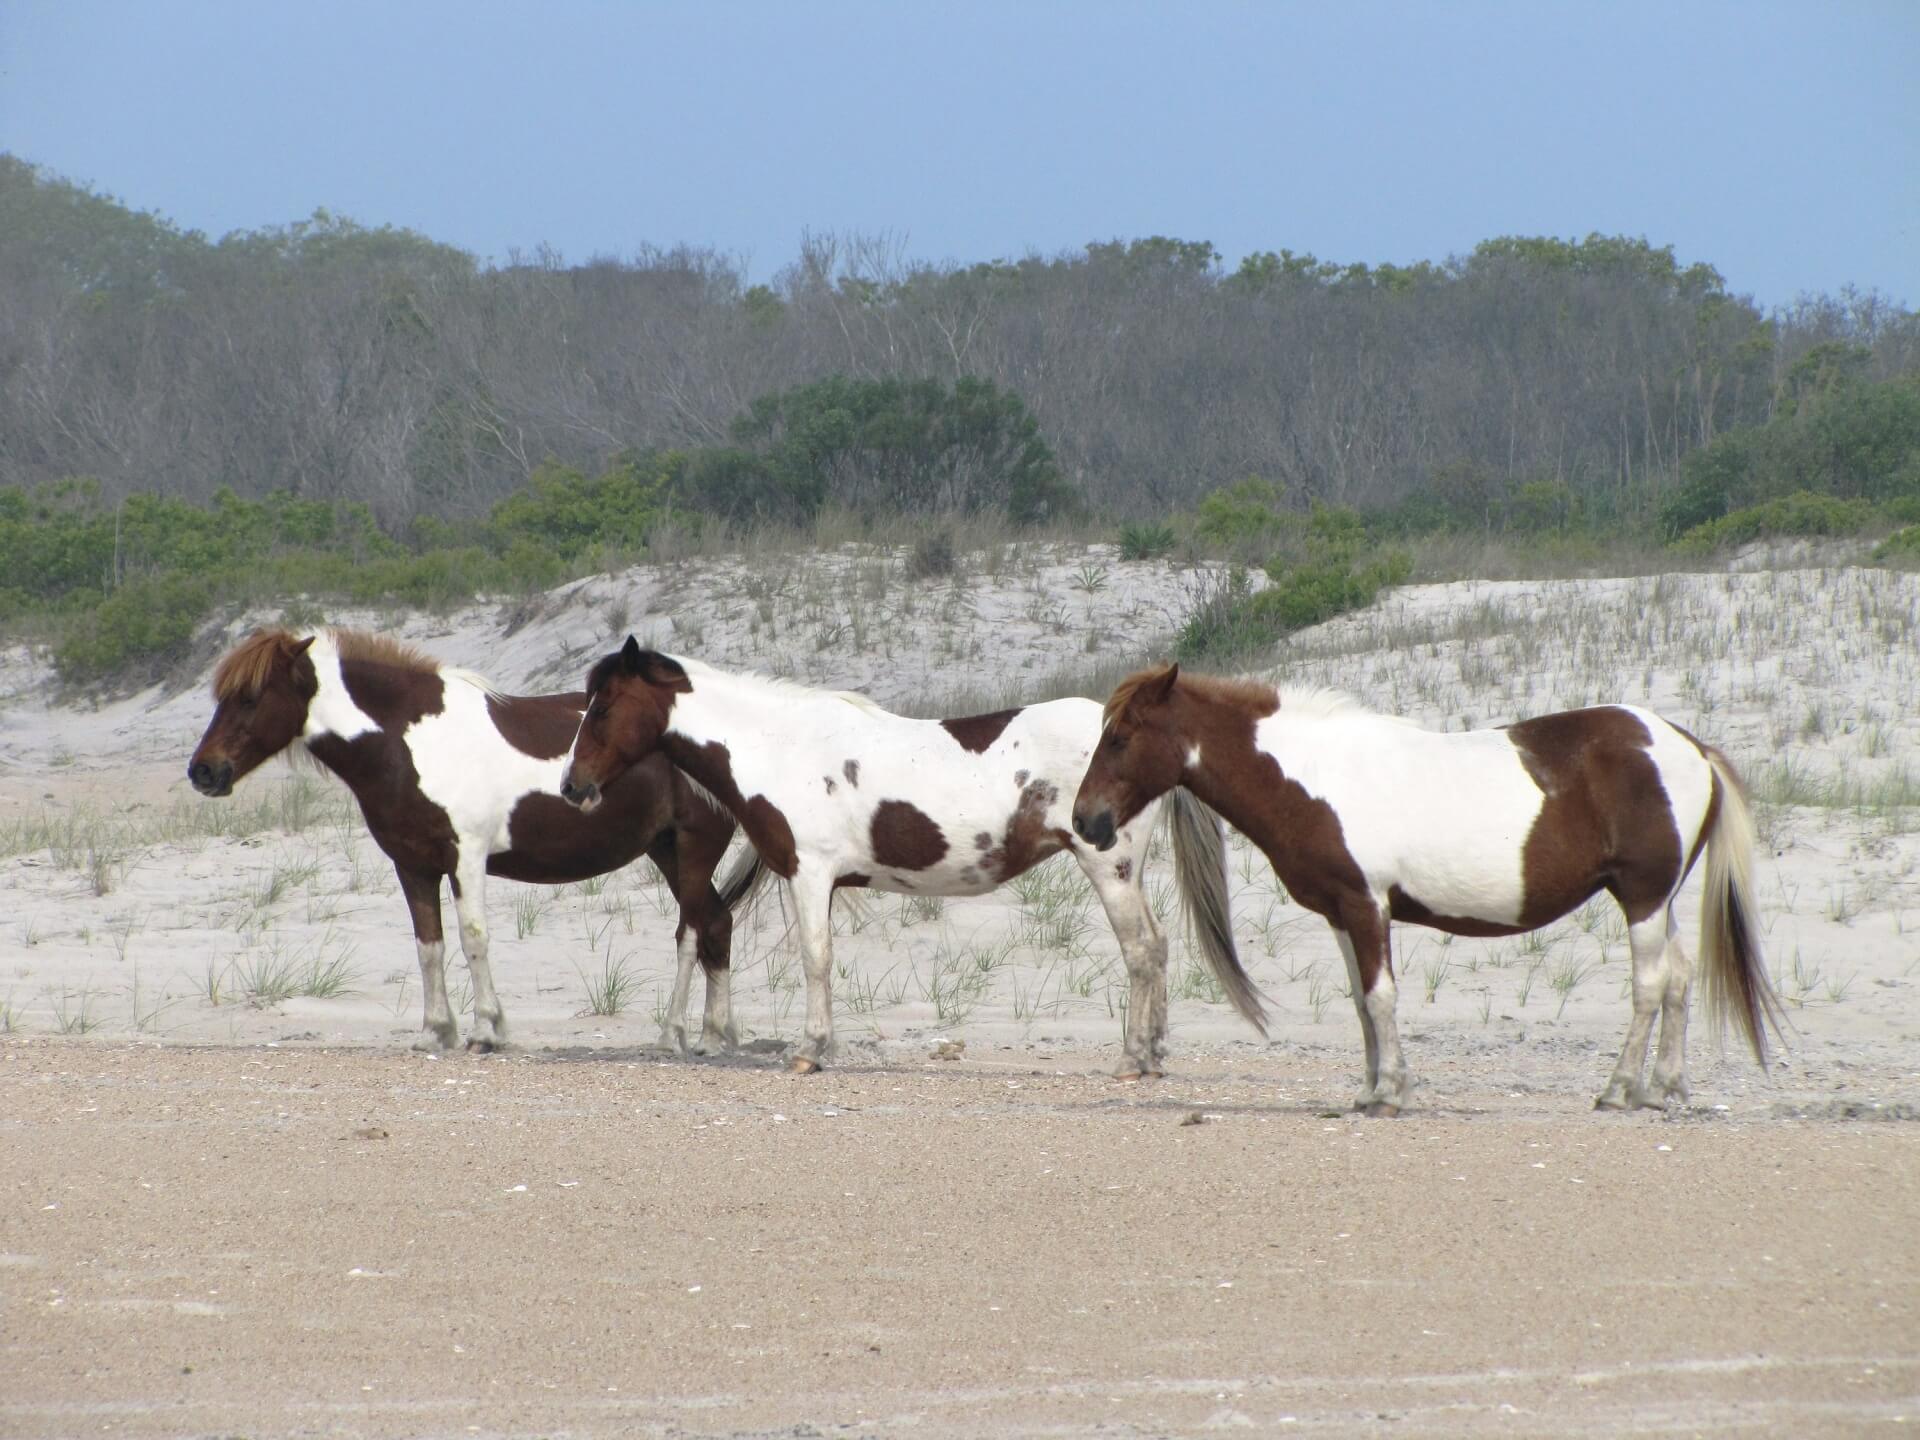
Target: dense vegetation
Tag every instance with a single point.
(368, 413)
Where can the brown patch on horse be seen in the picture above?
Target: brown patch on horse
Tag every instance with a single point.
(978, 732)
(1402, 906)
(831, 787)
(542, 726)
(852, 880)
(983, 841)
(1028, 839)
(553, 843)
(395, 696)
(1602, 800)
(766, 825)
(1020, 778)
(851, 769)
(904, 837)
(1124, 870)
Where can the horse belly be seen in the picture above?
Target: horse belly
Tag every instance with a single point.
(1452, 841)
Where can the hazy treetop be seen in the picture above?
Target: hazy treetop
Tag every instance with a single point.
(1779, 141)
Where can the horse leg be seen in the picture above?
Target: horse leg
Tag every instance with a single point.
(1373, 958)
(665, 854)
(470, 905)
(702, 848)
(1648, 939)
(1144, 949)
(438, 1029)
(813, 909)
(1670, 1065)
(1357, 988)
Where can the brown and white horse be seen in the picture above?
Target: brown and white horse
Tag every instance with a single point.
(833, 791)
(1369, 819)
(458, 781)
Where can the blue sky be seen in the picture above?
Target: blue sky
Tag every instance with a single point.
(1779, 142)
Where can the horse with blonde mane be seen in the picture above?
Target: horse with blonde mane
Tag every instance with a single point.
(1368, 819)
(458, 782)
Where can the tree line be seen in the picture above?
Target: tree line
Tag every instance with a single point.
(336, 363)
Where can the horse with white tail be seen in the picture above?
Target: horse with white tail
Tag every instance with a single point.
(458, 781)
(1369, 819)
(834, 791)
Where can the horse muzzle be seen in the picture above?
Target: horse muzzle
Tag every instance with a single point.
(586, 797)
(211, 779)
(1098, 831)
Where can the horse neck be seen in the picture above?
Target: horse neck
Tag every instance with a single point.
(739, 711)
(1231, 766)
(356, 697)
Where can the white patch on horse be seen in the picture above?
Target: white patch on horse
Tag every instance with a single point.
(461, 742)
(1394, 786)
(1193, 756)
(332, 711)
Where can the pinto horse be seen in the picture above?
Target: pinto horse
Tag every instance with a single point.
(1369, 819)
(459, 781)
(833, 791)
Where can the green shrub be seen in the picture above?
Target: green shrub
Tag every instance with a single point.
(1252, 513)
(133, 633)
(1803, 513)
(1144, 542)
(1901, 548)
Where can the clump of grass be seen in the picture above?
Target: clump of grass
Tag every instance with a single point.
(1434, 973)
(933, 555)
(1196, 982)
(528, 906)
(327, 978)
(9, 1016)
(612, 987)
(266, 979)
(73, 1010)
(1566, 976)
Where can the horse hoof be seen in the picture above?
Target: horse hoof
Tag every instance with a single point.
(1383, 1110)
(434, 1043)
(1609, 1101)
(805, 1065)
(482, 1045)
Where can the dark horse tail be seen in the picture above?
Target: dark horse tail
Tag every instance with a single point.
(1200, 861)
(1731, 966)
(743, 881)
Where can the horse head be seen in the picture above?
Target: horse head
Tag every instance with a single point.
(1140, 756)
(261, 691)
(630, 694)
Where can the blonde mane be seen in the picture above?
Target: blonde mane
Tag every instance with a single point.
(244, 670)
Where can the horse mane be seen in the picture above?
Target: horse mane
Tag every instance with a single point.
(1315, 702)
(243, 671)
(781, 685)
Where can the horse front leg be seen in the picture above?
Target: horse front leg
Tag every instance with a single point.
(812, 903)
(1116, 880)
(702, 845)
(470, 905)
(438, 1029)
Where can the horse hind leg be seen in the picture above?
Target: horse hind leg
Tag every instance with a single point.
(673, 1029)
(439, 1030)
(1670, 1064)
(1649, 939)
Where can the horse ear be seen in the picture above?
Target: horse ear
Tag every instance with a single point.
(630, 656)
(664, 671)
(300, 647)
(1160, 688)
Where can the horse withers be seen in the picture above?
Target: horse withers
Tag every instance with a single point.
(457, 781)
(834, 791)
(1369, 819)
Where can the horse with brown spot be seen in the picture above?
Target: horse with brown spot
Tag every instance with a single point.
(458, 781)
(1369, 819)
(928, 809)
